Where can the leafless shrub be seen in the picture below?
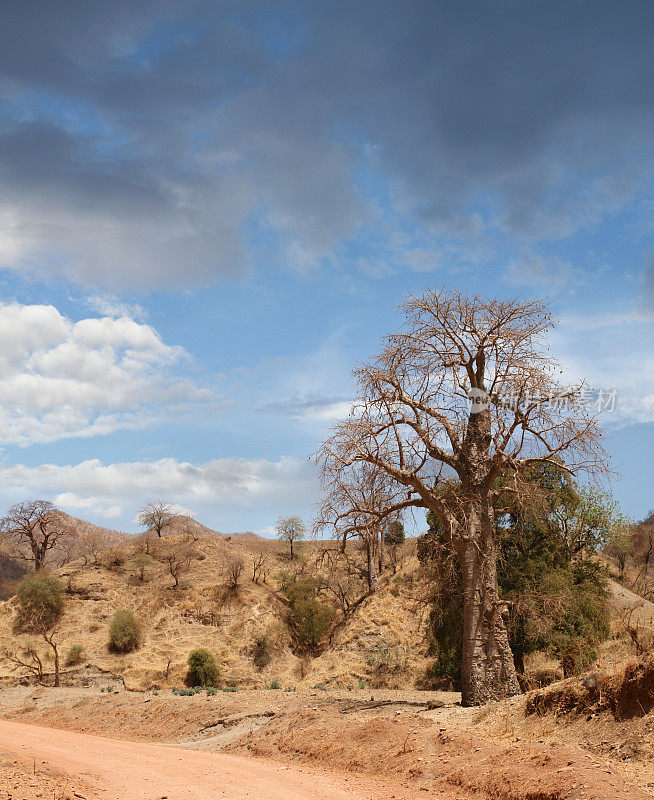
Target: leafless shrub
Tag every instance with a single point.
(232, 570)
(176, 554)
(641, 635)
(260, 565)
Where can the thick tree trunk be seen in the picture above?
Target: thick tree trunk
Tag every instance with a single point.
(487, 667)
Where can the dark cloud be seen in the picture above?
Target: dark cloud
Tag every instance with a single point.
(139, 140)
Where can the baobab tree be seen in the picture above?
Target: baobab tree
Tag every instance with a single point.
(156, 515)
(31, 530)
(455, 409)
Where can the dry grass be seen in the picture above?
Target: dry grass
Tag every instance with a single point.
(205, 612)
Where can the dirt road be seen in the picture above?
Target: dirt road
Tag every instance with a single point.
(138, 771)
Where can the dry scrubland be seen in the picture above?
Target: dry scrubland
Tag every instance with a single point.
(356, 706)
(382, 642)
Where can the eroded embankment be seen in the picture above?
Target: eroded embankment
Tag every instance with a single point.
(439, 758)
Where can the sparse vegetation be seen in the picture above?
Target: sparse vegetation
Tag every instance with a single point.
(41, 603)
(387, 660)
(250, 632)
(124, 632)
(262, 652)
(141, 561)
(177, 554)
(232, 570)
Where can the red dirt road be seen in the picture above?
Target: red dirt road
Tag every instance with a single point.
(137, 771)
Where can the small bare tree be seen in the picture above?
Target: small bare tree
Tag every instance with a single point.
(156, 515)
(619, 549)
(356, 505)
(177, 555)
(31, 530)
(464, 395)
(290, 529)
(89, 546)
(259, 562)
(232, 570)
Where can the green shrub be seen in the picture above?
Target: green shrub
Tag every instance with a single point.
(202, 669)
(41, 601)
(74, 655)
(262, 653)
(124, 632)
(274, 685)
(308, 620)
(230, 689)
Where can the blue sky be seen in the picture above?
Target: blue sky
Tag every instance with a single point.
(210, 211)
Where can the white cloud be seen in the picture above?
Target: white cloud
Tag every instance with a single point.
(221, 486)
(60, 378)
(607, 351)
(96, 506)
(108, 305)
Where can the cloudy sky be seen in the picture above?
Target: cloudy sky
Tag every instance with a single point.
(209, 212)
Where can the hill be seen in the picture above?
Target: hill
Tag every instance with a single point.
(243, 624)
(229, 600)
(183, 525)
(80, 527)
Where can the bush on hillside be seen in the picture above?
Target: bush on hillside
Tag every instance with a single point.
(41, 601)
(74, 655)
(124, 632)
(262, 652)
(202, 669)
(308, 620)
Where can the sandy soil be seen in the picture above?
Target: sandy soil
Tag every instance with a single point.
(34, 780)
(454, 753)
(118, 770)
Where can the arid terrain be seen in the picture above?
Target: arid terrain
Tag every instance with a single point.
(354, 720)
(560, 742)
